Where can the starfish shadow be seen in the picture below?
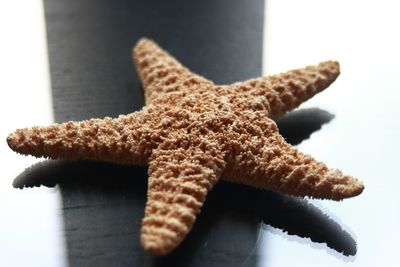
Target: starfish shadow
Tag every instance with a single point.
(103, 205)
(298, 125)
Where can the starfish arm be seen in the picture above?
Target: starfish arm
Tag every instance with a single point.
(179, 180)
(119, 140)
(288, 90)
(160, 72)
(274, 164)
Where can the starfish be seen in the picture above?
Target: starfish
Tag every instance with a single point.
(191, 133)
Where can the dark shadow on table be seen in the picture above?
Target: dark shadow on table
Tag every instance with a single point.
(105, 204)
(298, 125)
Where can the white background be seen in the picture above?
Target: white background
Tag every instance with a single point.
(363, 138)
(31, 222)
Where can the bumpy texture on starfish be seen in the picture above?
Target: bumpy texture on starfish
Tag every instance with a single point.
(192, 133)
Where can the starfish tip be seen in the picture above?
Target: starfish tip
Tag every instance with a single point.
(351, 188)
(14, 140)
(155, 245)
(331, 67)
(144, 41)
(358, 188)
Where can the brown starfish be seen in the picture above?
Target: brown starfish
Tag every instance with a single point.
(192, 133)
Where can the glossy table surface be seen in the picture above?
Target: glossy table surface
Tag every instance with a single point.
(70, 60)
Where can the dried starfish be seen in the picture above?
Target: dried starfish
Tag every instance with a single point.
(192, 133)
